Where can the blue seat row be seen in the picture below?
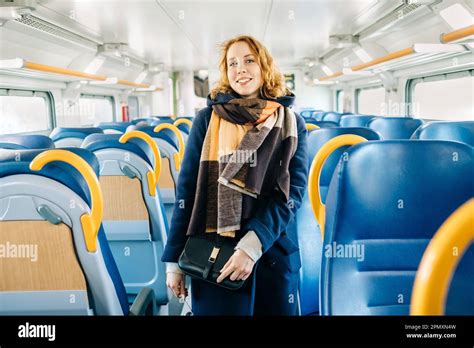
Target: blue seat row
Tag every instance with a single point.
(48, 205)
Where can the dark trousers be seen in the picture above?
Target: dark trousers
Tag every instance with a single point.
(270, 290)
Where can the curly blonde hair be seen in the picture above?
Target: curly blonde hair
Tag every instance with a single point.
(273, 81)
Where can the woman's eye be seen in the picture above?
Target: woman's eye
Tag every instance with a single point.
(232, 64)
(250, 61)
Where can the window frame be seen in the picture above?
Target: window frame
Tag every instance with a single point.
(338, 94)
(128, 104)
(357, 93)
(411, 84)
(106, 97)
(47, 96)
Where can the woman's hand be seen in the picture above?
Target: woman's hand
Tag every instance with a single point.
(176, 282)
(239, 266)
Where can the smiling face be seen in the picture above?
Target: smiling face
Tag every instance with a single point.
(243, 70)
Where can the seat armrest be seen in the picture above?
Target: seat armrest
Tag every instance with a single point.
(144, 304)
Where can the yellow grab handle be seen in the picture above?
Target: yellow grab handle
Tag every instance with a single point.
(152, 176)
(319, 209)
(310, 126)
(90, 223)
(178, 157)
(440, 260)
(183, 120)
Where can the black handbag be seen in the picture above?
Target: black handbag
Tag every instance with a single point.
(204, 256)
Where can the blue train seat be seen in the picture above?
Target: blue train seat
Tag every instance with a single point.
(134, 218)
(43, 210)
(26, 142)
(322, 124)
(331, 116)
(144, 120)
(309, 234)
(384, 204)
(184, 124)
(462, 131)
(393, 128)
(355, 120)
(71, 137)
(168, 144)
(114, 127)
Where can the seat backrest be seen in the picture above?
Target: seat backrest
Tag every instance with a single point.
(134, 216)
(309, 234)
(322, 124)
(168, 144)
(44, 209)
(318, 137)
(393, 128)
(331, 116)
(114, 127)
(146, 120)
(71, 137)
(26, 142)
(384, 204)
(462, 131)
(355, 120)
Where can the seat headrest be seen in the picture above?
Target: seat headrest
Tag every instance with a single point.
(322, 124)
(355, 120)
(61, 133)
(96, 142)
(392, 128)
(462, 131)
(331, 116)
(417, 184)
(25, 142)
(13, 162)
(165, 134)
(119, 126)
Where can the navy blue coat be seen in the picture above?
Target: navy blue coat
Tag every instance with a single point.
(274, 220)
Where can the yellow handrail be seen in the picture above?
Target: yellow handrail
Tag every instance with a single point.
(319, 209)
(90, 223)
(440, 260)
(152, 176)
(445, 38)
(80, 74)
(457, 34)
(178, 157)
(310, 127)
(337, 74)
(183, 120)
(388, 57)
(62, 71)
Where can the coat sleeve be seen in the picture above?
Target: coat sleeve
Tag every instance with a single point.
(186, 188)
(273, 217)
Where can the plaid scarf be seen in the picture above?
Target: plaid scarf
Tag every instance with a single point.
(248, 145)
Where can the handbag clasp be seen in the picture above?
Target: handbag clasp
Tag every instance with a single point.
(214, 253)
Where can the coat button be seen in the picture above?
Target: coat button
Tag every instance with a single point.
(272, 263)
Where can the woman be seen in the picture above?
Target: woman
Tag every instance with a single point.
(248, 120)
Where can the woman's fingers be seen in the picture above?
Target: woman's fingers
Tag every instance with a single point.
(226, 270)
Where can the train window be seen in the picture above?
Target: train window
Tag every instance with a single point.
(201, 83)
(25, 111)
(370, 101)
(443, 97)
(133, 108)
(95, 109)
(340, 101)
